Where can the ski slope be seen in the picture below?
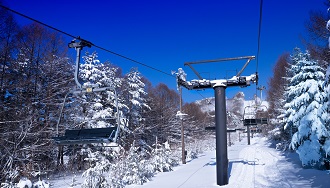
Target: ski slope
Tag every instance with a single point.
(256, 165)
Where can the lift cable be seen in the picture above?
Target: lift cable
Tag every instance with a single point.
(207, 100)
(259, 31)
(258, 44)
(99, 47)
(258, 49)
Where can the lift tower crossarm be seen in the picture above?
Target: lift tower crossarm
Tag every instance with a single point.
(249, 58)
(241, 81)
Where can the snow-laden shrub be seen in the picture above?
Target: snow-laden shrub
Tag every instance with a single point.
(194, 149)
(134, 167)
(131, 168)
(162, 158)
(192, 155)
(137, 166)
(10, 171)
(283, 145)
(41, 184)
(24, 183)
(275, 134)
(95, 177)
(208, 144)
(101, 163)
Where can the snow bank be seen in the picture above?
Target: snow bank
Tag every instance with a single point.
(24, 182)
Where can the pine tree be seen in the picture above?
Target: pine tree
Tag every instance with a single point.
(100, 110)
(132, 167)
(289, 123)
(135, 98)
(99, 107)
(325, 115)
(305, 95)
(100, 164)
(163, 159)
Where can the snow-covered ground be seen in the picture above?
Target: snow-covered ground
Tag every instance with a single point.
(255, 165)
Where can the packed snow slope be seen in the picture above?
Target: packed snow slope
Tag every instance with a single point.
(255, 165)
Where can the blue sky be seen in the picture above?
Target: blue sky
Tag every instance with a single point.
(166, 34)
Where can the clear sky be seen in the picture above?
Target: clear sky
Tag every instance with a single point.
(166, 34)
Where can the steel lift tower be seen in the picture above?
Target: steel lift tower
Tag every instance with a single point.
(219, 87)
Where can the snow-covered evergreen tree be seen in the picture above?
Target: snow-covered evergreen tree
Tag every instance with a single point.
(100, 110)
(134, 95)
(132, 167)
(99, 107)
(100, 164)
(290, 110)
(304, 101)
(325, 111)
(163, 159)
(325, 115)
(135, 98)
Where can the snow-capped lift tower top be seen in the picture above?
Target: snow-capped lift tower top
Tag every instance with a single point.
(202, 83)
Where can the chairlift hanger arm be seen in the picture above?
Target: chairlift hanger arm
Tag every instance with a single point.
(78, 45)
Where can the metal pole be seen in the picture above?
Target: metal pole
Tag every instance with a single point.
(229, 139)
(182, 130)
(239, 136)
(221, 135)
(261, 88)
(76, 72)
(248, 134)
(59, 118)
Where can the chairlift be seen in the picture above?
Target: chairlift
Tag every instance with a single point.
(90, 135)
(251, 118)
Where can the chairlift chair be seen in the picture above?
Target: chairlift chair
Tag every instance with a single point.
(91, 135)
(250, 117)
(87, 136)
